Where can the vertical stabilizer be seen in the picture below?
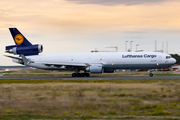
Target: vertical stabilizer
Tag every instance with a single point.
(19, 38)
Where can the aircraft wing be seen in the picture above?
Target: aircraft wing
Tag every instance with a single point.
(55, 64)
(67, 64)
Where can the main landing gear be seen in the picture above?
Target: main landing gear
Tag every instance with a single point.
(151, 74)
(80, 75)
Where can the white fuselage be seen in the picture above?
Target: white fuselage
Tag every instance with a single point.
(109, 60)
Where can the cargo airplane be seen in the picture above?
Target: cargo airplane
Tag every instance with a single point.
(84, 63)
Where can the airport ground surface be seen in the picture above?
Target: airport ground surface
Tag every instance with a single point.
(129, 96)
(93, 77)
(41, 74)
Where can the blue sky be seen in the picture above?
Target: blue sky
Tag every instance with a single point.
(68, 26)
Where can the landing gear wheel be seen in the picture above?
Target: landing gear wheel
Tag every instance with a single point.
(87, 74)
(78, 74)
(150, 75)
(74, 75)
(83, 75)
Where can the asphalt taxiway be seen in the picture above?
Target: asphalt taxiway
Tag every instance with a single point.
(97, 77)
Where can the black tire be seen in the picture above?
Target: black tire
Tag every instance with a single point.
(87, 74)
(78, 75)
(74, 75)
(83, 75)
(151, 75)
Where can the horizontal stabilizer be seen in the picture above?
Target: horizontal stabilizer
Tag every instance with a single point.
(13, 57)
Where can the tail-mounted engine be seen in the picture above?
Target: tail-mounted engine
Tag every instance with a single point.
(25, 50)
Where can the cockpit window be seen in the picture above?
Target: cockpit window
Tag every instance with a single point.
(168, 57)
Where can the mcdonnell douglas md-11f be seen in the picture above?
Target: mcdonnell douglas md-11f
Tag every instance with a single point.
(100, 62)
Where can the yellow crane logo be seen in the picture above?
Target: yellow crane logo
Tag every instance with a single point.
(18, 39)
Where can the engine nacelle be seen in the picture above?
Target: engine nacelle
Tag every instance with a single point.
(95, 68)
(26, 50)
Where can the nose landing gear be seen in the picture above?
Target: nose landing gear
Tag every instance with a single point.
(151, 74)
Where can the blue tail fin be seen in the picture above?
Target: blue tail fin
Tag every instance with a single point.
(19, 38)
(23, 46)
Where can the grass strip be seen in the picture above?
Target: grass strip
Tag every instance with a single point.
(9, 81)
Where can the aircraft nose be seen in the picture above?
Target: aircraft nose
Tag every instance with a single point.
(173, 61)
